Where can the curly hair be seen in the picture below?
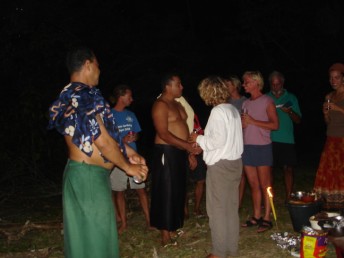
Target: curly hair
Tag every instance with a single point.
(213, 91)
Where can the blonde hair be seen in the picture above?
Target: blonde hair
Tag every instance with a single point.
(213, 91)
(235, 81)
(256, 76)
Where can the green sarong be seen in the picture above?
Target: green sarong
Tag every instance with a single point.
(88, 212)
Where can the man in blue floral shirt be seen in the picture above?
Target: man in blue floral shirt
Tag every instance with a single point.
(85, 120)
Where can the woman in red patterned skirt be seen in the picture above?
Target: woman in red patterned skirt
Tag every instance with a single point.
(329, 181)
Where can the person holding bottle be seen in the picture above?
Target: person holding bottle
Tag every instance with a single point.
(128, 128)
(329, 180)
(258, 120)
(83, 117)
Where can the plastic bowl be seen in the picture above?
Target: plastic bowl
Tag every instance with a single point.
(308, 198)
(332, 214)
(314, 223)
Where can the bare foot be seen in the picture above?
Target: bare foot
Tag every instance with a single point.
(166, 241)
(150, 228)
(176, 234)
(198, 214)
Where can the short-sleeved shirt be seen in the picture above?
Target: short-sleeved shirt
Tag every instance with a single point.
(126, 121)
(285, 132)
(74, 114)
(237, 102)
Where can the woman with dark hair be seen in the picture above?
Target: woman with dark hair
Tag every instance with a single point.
(329, 181)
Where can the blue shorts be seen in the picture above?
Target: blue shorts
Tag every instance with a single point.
(257, 155)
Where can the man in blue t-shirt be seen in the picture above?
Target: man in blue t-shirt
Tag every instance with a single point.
(283, 142)
(128, 127)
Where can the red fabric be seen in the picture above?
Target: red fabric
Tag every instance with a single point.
(329, 181)
(339, 252)
(197, 125)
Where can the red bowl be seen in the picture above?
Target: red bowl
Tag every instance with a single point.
(308, 198)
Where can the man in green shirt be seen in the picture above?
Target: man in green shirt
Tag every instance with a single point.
(283, 141)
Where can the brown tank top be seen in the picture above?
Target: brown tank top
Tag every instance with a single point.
(335, 127)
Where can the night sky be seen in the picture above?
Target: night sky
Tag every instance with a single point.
(136, 41)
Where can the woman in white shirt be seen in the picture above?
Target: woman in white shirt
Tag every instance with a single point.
(222, 145)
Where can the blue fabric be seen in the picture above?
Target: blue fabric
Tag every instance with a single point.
(257, 155)
(74, 113)
(126, 121)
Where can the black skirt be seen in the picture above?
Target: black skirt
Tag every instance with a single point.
(168, 187)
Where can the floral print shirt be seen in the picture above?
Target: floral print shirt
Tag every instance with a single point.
(74, 113)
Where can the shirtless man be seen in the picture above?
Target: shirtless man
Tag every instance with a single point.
(170, 160)
(84, 118)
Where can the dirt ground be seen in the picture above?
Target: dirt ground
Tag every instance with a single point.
(196, 241)
(31, 227)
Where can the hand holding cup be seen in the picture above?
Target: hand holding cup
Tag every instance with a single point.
(192, 137)
(130, 137)
(244, 115)
(327, 106)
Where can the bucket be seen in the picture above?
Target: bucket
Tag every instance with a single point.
(300, 213)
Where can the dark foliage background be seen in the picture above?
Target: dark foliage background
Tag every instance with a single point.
(135, 41)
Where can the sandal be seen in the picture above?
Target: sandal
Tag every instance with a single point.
(252, 222)
(264, 226)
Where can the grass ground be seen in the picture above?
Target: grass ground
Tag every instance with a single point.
(42, 235)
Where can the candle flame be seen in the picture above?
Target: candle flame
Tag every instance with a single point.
(268, 190)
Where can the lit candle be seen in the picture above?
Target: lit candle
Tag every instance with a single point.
(271, 202)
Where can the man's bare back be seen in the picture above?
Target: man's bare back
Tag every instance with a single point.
(74, 153)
